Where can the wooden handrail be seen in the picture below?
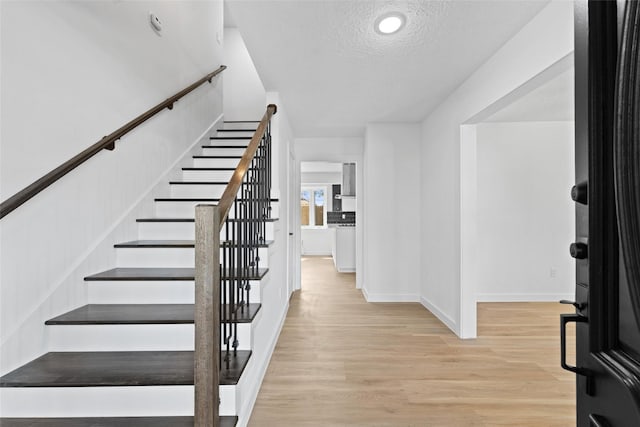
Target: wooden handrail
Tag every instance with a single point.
(108, 142)
(233, 187)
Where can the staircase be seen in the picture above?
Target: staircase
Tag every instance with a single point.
(127, 357)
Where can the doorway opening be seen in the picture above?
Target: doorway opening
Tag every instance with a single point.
(327, 213)
(517, 219)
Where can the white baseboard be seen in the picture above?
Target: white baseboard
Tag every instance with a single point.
(315, 253)
(254, 389)
(448, 321)
(523, 297)
(372, 297)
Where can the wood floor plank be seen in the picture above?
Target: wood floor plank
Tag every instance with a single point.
(340, 361)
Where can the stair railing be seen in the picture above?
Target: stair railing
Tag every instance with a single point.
(106, 143)
(228, 238)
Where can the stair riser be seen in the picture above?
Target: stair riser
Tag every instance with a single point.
(240, 125)
(215, 163)
(152, 292)
(141, 292)
(181, 230)
(211, 176)
(167, 257)
(186, 209)
(107, 401)
(197, 190)
(240, 142)
(216, 150)
(132, 337)
(249, 134)
(166, 230)
(186, 191)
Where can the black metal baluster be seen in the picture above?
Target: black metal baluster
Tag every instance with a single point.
(252, 227)
(223, 302)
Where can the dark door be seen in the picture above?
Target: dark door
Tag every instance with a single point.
(607, 195)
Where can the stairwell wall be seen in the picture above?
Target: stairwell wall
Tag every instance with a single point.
(244, 92)
(71, 73)
(544, 41)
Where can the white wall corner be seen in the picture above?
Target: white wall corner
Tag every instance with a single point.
(468, 231)
(441, 315)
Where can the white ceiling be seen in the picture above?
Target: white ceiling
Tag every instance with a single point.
(334, 73)
(552, 101)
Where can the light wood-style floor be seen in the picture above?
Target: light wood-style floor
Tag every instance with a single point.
(342, 362)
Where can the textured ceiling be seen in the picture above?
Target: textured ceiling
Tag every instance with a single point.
(335, 73)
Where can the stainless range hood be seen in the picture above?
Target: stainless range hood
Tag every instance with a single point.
(348, 180)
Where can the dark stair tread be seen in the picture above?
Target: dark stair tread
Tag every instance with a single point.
(195, 199)
(138, 244)
(241, 121)
(224, 146)
(156, 244)
(117, 369)
(198, 183)
(110, 422)
(208, 169)
(165, 220)
(190, 220)
(204, 156)
(152, 273)
(229, 137)
(237, 130)
(144, 314)
(219, 157)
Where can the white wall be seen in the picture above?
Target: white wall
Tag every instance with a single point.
(544, 41)
(244, 94)
(525, 218)
(392, 212)
(71, 73)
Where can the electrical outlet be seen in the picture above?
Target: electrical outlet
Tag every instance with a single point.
(553, 272)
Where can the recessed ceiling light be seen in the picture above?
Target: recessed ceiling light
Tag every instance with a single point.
(390, 23)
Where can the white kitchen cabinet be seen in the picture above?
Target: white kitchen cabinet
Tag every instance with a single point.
(344, 249)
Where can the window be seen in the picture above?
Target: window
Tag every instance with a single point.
(312, 207)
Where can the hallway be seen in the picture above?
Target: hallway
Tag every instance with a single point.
(340, 361)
